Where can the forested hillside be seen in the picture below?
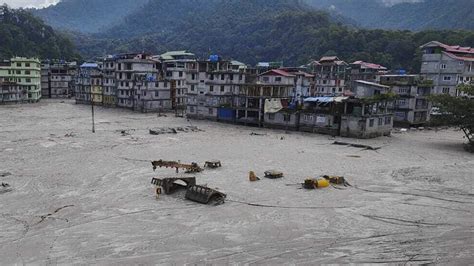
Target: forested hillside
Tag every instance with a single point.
(259, 30)
(87, 16)
(410, 15)
(22, 34)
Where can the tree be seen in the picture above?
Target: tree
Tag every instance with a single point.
(458, 111)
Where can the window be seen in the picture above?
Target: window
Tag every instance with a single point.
(278, 79)
(27, 72)
(443, 66)
(144, 93)
(222, 77)
(222, 88)
(446, 78)
(28, 80)
(388, 120)
(18, 72)
(446, 90)
(271, 116)
(461, 62)
(307, 117)
(380, 121)
(211, 88)
(193, 76)
(191, 109)
(371, 122)
(286, 117)
(157, 94)
(180, 73)
(240, 77)
(192, 87)
(211, 111)
(18, 64)
(231, 77)
(27, 64)
(211, 77)
(266, 79)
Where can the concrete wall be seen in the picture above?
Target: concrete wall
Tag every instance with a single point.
(366, 127)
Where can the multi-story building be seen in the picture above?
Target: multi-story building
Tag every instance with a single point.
(447, 66)
(83, 86)
(57, 79)
(212, 84)
(330, 74)
(304, 82)
(140, 83)
(360, 70)
(109, 85)
(175, 68)
(24, 72)
(412, 106)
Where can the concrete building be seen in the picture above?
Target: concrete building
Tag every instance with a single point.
(447, 66)
(304, 82)
(412, 107)
(140, 83)
(58, 79)
(213, 84)
(11, 92)
(24, 72)
(83, 86)
(175, 68)
(109, 85)
(360, 70)
(330, 74)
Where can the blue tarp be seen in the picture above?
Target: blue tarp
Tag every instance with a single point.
(319, 99)
(225, 113)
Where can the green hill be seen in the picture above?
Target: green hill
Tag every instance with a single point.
(22, 34)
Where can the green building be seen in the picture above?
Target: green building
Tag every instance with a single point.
(24, 73)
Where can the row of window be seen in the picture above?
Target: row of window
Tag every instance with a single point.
(381, 120)
(19, 72)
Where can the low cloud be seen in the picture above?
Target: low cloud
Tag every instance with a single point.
(28, 3)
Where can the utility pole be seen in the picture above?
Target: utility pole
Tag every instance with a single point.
(92, 106)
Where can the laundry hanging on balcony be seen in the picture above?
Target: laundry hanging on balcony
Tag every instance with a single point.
(272, 106)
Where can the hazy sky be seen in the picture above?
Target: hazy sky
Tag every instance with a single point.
(28, 3)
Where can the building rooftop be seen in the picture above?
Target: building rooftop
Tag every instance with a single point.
(372, 84)
(277, 72)
(449, 48)
(369, 65)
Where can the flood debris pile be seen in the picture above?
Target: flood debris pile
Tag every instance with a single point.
(324, 181)
(366, 147)
(174, 130)
(213, 164)
(194, 192)
(273, 174)
(4, 188)
(189, 168)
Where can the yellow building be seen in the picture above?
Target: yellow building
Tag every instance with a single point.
(97, 89)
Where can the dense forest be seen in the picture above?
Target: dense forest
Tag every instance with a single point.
(258, 30)
(87, 16)
(249, 31)
(22, 34)
(409, 15)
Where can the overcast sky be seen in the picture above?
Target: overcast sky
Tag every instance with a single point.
(28, 3)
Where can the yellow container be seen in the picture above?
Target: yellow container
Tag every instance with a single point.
(321, 183)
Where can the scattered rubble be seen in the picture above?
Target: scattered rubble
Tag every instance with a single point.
(190, 168)
(70, 135)
(4, 188)
(253, 177)
(174, 130)
(338, 180)
(313, 183)
(213, 164)
(205, 195)
(367, 147)
(5, 174)
(273, 174)
(169, 184)
(257, 134)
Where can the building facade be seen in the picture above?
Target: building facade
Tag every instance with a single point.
(58, 79)
(447, 66)
(22, 75)
(412, 106)
(330, 75)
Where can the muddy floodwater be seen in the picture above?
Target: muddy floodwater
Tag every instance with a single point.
(78, 197)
